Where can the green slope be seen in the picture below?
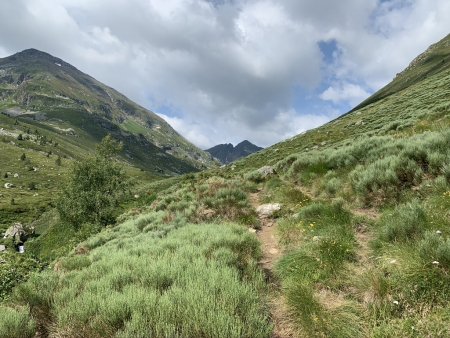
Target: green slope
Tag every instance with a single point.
(35, 85)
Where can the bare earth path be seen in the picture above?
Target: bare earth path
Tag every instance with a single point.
(271, 253)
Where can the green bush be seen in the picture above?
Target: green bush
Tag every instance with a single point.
(332, 186)
(15, 269)
(95, 188)
(385, 178)
(406, 222)
(435, 249)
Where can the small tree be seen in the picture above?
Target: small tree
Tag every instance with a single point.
(23, 157)
(95, 187)
(20, 137)
(58, 161)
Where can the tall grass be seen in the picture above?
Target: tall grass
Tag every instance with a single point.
(195, 281)
(16, 323)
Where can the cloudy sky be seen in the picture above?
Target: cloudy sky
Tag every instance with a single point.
(226, 70)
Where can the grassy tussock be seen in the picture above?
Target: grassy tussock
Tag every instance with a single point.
(16, 323)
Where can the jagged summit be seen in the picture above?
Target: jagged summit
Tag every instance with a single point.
(226, 153)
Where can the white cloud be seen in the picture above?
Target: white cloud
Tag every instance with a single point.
(230, 70)
(347, 92)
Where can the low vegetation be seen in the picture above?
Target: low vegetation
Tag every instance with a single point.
(147, 277)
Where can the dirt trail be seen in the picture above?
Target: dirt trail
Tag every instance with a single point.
(267, 236)
(271, 253)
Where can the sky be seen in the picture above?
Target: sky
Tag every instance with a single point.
(221, 71)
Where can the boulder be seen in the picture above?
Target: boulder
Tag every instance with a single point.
(2, 248)
(267, 210)
(266, 171)
(16, 232)
(9, 185)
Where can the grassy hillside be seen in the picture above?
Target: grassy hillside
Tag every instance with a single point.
(363, 239)
(52, 93)
(368, 254)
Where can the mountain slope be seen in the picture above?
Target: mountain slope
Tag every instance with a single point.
(226, 153)
(365, 226)
(401, 107)
(435, 60)
(55, 95)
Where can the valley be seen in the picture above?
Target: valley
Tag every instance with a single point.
(341, 231)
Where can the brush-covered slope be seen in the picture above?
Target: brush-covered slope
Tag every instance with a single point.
(37, 87)
(367, 253)
(226, 153)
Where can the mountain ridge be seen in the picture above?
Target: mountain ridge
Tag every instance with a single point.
(33, 81)
(227, 153)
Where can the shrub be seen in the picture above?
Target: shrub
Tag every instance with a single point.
(254, 176)
(95, 188)
(446, 172)
(437, 162)
(203, 281)
(407, 222)
(385, 178)
(332, 186)
(435, 248)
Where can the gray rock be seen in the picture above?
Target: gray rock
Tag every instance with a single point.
(2, 248)
(17, 232)
(267, 210)
(9, 185)
(266, 171)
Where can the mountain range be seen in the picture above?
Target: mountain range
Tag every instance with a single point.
(226, 153)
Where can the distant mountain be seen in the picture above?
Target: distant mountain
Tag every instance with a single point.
(226, 153)
(38, 87)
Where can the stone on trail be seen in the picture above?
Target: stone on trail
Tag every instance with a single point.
(267, 210)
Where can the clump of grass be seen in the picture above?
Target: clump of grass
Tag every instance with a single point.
(406, 222)
(435, 249)
(16, 323)
(385, 179)
(332, 186)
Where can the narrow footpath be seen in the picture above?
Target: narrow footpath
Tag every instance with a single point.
(267, 235)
